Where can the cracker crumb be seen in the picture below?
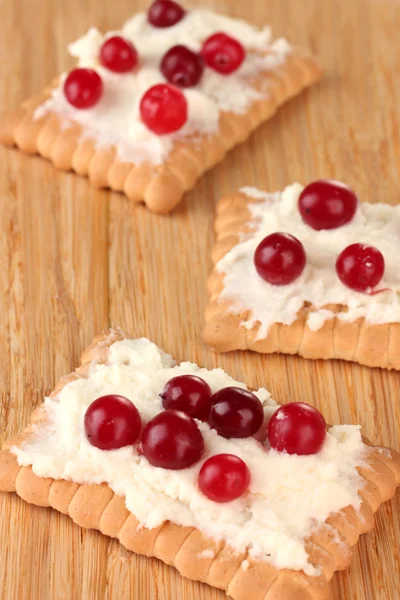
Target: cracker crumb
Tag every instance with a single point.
(245, 565)
(207, 553)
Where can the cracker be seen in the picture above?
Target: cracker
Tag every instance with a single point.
(361, 342)
(98, 507)
(160, 187)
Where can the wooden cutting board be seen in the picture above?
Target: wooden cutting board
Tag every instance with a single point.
(74, 261)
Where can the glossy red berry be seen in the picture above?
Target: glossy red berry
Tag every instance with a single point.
(182, 67)
(224, 477)
(360, 267)
(280, 258)
(165, 13)
(83, 88)
(112, 422)
(297, 428)
(235, 413)
(164, 109)
(188, 393)
(327, 204)
(223, 53)
(118, 55)
(172, 440)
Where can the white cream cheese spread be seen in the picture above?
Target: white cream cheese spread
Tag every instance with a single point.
(115, 120)
(289, 495)
(318, 285)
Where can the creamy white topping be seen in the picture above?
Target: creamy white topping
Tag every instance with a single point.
(289, 496)
(319, 285)
(116, 119)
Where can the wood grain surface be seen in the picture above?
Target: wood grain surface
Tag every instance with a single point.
(74, 261)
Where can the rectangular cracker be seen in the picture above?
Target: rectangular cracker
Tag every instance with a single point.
(361, 342)
(98, 507)
(160, 187)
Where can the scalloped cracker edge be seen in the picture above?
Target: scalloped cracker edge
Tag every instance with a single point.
(98, 507)
(370, 345)
(160, 187)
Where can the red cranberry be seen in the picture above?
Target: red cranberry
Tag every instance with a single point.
(118, 55)
(182, 67)
(172, 440)
(188, 393)
(164, 109)
(224, 478)
(112, 422)
(235, 413)
(280, 258)
(165, 13)
(83, 88)
(297, 428)
(223, 53)
(360, 267)
(327, 204)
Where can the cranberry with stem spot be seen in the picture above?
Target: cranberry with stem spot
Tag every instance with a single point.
(224, 477)
(182, 67)
(223, 53)
(280, 258)
(172, 440)
(165, 13)
(297, 428)
(360, 267)
(327, 204)
(235, 413)
(112, 422)
(188, 393)
(164, 109)
(118, 55)
(83, 88)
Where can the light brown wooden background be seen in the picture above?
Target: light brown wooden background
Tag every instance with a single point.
(74, 261)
